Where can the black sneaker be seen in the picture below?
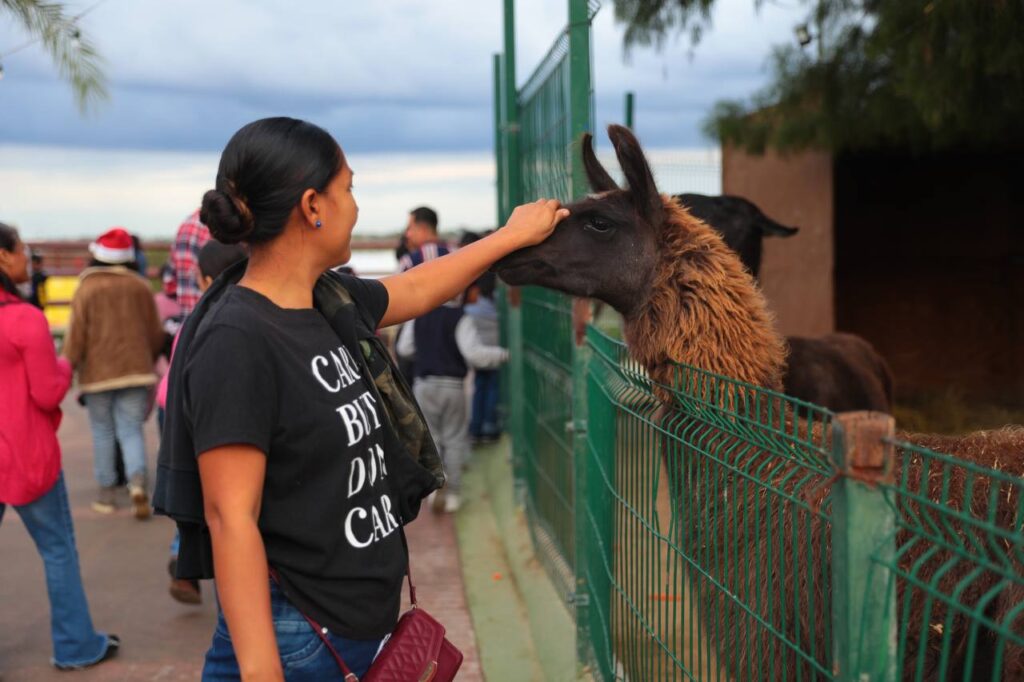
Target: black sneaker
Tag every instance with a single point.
(113, 644)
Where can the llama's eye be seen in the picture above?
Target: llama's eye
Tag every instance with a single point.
(597, 226)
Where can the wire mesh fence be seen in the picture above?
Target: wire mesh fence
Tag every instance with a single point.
(546, 451)
(958, 570)
(725, 532)
(698, 491)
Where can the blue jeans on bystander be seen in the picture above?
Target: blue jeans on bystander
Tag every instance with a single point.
(115, 417)
(48, 521)
(304, 657)
(484, 420)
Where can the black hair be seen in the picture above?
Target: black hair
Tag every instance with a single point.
(486, 284)
(214, 258)
(8, 242)
(468, 237)
(426, 216)
(264, 171)
(402, 248)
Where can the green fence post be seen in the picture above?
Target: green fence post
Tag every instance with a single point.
(863, 527)
(516, 389)
(597, 514)
(579, 91)
(580, 366)
(513, 169)
(499, 154)
(629, 110)
(580, 121)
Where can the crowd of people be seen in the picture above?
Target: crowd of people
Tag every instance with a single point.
(283, 204)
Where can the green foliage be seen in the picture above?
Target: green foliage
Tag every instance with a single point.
(74, 55)
(920, 74)
(651, 22)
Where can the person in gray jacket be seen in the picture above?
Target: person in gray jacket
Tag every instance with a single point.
(446, 343)
(481, 311)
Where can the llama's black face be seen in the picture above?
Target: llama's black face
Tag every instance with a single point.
(599, 252)
(607, 247)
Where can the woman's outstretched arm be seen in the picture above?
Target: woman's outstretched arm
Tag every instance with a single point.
(423, 288)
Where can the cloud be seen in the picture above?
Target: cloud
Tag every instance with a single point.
(396, 75)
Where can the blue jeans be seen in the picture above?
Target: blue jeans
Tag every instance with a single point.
(484, 422)
(117, 417)
(48, 521)
(304, 657)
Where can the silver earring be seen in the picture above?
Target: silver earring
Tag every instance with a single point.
(318, 224)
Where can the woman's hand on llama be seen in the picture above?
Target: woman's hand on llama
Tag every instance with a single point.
(533, 223)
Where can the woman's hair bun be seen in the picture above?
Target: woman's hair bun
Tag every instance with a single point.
(227, 215)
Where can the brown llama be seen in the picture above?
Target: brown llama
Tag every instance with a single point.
(685, 298)
(842, 372)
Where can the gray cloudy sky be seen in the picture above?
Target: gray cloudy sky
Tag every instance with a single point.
(389, 75)
(405, 87)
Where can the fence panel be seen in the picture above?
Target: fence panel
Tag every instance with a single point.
(959, 563)
(545, 444)
(550, 111)
(710, 500)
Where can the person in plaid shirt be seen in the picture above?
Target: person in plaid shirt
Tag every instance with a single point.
(184, 261)
(192, 235)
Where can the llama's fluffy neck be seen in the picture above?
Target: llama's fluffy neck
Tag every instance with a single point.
(704, 310)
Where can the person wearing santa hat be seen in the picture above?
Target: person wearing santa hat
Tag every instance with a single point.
(113, 338)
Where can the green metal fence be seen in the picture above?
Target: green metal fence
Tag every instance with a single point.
(691, 515)
(957, 572)
(711, 530)
(536, 134)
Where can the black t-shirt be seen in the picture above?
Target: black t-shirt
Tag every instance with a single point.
(281, 380)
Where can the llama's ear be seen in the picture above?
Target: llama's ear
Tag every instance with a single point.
(638, 173)
(597, 176)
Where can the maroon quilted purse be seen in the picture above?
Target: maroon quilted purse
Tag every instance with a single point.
(416, 651)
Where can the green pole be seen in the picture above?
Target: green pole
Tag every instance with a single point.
(629, 110)
(498, 147)
(598, 521)
(863, 544)
(513, 169)
(580, 107)
(579, 90)
(512, 197)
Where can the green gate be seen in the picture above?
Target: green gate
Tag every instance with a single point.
(710, 530)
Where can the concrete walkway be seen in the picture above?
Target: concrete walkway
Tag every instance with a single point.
(124, 566)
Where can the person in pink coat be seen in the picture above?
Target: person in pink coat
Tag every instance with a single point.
(34, 382)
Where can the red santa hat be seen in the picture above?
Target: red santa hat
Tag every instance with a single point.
(113, 247)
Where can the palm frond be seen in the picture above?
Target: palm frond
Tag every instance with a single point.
(73, 53)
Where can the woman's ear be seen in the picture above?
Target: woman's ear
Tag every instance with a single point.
(310, 207)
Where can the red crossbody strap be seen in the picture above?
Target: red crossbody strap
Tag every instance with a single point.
(322, 634)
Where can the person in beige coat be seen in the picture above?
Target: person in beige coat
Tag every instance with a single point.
(113, 338)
